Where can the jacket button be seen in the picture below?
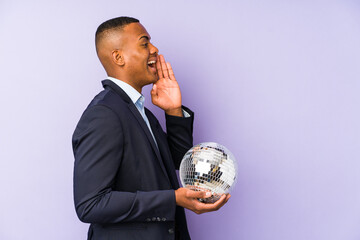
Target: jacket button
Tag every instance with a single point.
(163, 219)
(154, 219)
(148, 219)
(158, 219)
(171, 231)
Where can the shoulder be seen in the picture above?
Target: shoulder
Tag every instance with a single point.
(107, 103)
(101, 113)
(97, 118)
(107, 97)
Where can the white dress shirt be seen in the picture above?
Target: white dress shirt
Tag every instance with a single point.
(137, 98)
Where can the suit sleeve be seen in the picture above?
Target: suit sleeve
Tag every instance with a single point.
(179, 135)
(98, 149)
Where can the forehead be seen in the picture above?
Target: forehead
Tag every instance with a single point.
(135, 30)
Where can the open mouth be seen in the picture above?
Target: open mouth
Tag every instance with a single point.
(151, 63)
(152, 66)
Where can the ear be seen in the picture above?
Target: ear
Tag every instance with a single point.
(117, 57)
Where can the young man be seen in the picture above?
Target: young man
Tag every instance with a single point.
(124, 174)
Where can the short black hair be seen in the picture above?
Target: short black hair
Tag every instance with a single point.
(115, 23)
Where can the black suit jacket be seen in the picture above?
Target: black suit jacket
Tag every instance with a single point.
(123, 183)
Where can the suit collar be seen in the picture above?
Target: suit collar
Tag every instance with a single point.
(127, 88)
(110, 84)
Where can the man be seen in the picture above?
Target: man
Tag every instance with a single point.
(124, 174)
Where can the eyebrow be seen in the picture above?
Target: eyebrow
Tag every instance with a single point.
(144, 36)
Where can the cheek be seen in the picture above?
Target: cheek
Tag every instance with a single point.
(136, 58)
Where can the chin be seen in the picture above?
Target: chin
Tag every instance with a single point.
(154, 78)
(154, 81)
(149, 81)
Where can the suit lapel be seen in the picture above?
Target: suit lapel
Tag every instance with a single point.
(147, 132)
(140, 120)
(164, 151)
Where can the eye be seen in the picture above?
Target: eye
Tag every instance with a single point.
(146, 44)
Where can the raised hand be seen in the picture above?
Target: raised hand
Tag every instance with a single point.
(166, 91)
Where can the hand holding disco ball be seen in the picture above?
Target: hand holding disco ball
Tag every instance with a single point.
(209, 167)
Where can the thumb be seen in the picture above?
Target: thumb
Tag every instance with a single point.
(153, 92)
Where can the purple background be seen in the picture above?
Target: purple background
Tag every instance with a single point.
(277, 82)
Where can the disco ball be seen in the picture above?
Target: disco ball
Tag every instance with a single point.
(211, 167)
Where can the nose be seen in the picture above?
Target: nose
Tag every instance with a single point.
(153, 49)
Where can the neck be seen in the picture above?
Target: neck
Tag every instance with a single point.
(137, 88)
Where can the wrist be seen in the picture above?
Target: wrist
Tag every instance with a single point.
(177, 197)
(175, 112)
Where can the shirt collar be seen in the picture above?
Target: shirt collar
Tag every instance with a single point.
(129, 90)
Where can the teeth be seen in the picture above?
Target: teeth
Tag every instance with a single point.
(151, 62)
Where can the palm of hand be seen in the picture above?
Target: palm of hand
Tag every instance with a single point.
(166, 94)
(166, 91)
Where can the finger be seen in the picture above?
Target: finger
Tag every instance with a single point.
(158, 68)
(201, 194)
(216, 205)
(228, 196)
(209, 207)
(198, 194)
(164, 67)
(171, 72)
(224, 202)
(197, 188)
(221, 200)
